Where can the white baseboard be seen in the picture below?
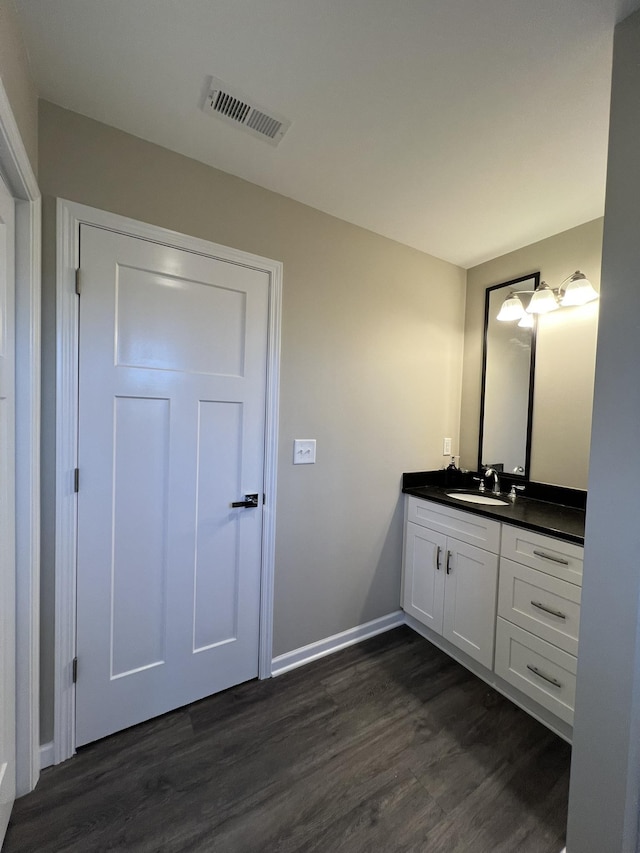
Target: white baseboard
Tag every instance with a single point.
(321, 648)
(46, 755)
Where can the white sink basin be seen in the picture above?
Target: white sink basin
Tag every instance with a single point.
(477, 498)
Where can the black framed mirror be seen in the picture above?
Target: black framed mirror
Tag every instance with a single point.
(508, 369)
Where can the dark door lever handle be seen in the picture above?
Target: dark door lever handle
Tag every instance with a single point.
(250, 501)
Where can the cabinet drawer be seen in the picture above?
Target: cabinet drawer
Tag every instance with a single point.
(553, 556)
(465, 526)
(538, 669)
(544, 605)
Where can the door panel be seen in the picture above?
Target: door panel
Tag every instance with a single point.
(141, 437)
(424, 575)
(171, 431)
(7, 509)
(190, 326)
(219, 460)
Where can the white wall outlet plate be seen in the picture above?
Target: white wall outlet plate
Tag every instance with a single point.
(304, 451)
(446, 447)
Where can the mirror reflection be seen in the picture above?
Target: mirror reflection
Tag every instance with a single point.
(507, 377)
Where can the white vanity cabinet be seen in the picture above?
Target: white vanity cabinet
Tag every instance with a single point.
(450, 585)
(507, 597)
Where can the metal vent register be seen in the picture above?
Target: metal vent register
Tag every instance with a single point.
(230, 105)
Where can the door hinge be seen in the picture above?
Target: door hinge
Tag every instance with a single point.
(78, 281)
(74, 670)
(76, 479)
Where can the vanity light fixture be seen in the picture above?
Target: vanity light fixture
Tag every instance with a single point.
(543, 300)
(576, 289)
(512, 308)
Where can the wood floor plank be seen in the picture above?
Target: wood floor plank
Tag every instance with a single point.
(296, 816)
(385, 747)
(394, 817)
(492, 815)
(463, 750)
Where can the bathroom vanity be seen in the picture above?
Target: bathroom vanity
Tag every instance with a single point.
(498, 588)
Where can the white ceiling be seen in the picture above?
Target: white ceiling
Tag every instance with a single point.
(464, 128)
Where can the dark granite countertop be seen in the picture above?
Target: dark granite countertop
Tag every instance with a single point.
(553, 519)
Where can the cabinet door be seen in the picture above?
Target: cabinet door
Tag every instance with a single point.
(424, 575)
(470, 600)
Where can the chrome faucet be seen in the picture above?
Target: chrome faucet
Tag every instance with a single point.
(491, 472)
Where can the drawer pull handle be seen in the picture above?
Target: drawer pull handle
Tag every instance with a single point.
(438, 552)
(544, 556)
(549, 678)
(448, 562)
(550, 610)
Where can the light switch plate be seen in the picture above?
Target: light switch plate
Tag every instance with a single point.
(446, 447)
(304, 451)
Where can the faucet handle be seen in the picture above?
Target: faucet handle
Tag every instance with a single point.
(513, 494)
(480, 480)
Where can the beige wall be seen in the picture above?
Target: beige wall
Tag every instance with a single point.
(16, 78)
(565, 356)
(371, 364)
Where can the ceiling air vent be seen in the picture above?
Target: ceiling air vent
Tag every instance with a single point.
(233, 107)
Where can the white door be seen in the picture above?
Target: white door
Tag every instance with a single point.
(171, 432)
(424, 575)
(7, 510)
(470, 600)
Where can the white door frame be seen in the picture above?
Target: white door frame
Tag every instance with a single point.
(70, 216)
(21, 181)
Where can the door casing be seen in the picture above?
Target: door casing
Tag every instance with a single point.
(21, 180)
(70, 216)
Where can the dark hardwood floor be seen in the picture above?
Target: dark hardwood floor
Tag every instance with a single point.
(385, 746)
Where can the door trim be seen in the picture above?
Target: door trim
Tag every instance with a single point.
(20, 178)
(70, 216)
